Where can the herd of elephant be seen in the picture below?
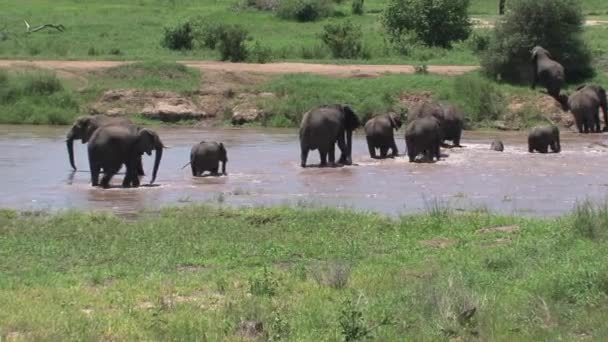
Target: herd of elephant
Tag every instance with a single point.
(115, 141)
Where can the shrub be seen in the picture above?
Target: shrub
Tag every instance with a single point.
(343, 39)
(178, 37)
(479, 98)
(304, 10)
(591, 221)
(357, 7)
(115, 52)
(259, 53)
(92, 51)
(232, 43)
(206, 34)
(555, 25)
(433, 22)
(478, 42)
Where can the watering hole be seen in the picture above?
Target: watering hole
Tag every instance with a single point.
(263, 169)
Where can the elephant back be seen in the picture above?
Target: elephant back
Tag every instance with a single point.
(425, 109)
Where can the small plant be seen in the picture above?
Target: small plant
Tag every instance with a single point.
(92, 51)
(343, 39)
(232, 43)
(357, 7)
(304, 10)
(115, 52)
(335, 275)
(317, 51)
(259, 53)
(478, 42)
(279, 328)
(591, 221)
(178, 37)
(353, 326)
(263, 284)
(206, 34)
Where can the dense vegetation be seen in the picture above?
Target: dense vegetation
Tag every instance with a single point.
(303, 274)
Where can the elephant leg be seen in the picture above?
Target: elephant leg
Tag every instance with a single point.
(140, 167)
(372, 149)
(437, 151)
(410, 152)
(214, 170)
(553, 146)
(394, 150)
(323, 157)
(543, 149)
(95, 170)
(343, 151)
(331, 153)
(303, 156)
(193, 168)
(383, 152)
(579, 124)
(598, 128)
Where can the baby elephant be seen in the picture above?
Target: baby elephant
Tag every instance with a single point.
(206, 156)
(497, 145)
(379, 134)
(540, 138)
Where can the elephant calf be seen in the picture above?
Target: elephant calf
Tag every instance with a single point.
(379, 134)
(541, 137)
(584, 104)
(547, 72)
(450, 118)
(423, 136)
(206, 156)
(497, 145)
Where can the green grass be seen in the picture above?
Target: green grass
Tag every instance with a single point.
(306, 274)
(132, 30)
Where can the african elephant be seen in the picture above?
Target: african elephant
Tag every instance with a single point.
(322, 127)
(451, 120)
(497, 145)
(83, 128)
(584, 104)
(541, 137)
(379, 134)
(423, 136)
(206, 156)
(112, 146)
(547, 72)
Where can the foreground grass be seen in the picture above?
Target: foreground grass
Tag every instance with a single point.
(133, 30)
(305, 274)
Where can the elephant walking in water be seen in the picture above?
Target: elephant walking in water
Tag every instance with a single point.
(423, 136)
(206, 156)
(112, 146)
(541, 137)
(322, 128)
(83, 129)
(585, 104)
(379, 134)
(450, 119)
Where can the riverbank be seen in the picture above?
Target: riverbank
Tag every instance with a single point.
(56, 92)
(302, 274)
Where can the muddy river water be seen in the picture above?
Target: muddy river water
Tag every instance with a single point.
(263, 169)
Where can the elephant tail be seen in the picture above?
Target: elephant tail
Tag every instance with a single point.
(183, 167)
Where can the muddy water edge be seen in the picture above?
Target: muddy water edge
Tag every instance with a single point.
(264, 169)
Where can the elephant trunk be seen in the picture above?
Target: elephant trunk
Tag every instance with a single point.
(157, 157)
(70, 144)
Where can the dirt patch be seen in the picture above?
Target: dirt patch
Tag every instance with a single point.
(189, 268)
(250, 330)
(409, 99)
(439, 242)
(501, 229)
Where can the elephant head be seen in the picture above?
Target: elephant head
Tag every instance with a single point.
(148, 140)
(539, 51)
(395, 120)
(82, 129)
(351, 123)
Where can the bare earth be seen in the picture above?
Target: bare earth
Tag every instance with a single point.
(350, 70)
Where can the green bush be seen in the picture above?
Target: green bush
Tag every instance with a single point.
(259, 53)
(556, 25)
(206, 33)
(357, 7)
(343, 39)
(433, 22)
(232, 43)
(178, 37)
(304, 10)
(479, 98)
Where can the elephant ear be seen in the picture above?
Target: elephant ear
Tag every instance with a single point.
(351, 120)
(148, 141)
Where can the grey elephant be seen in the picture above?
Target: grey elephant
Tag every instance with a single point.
(206, 156)
(584, 104)
(379, 134)
(110, 147)
(497, 145)
(83, 128)
(423, 136)
(540, 138)
(322, 128)
(450, 118)
(547, 72)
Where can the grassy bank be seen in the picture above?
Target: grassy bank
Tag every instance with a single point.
(304, 274)
(133, 30)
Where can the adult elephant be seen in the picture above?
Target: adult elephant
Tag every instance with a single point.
(423, 136)
(112, 146)
(84, 126)
(450, 118)
(540, 138)
(322, 127)
(547, 72)
(379, 134)
(584, 104)
(206, 156)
